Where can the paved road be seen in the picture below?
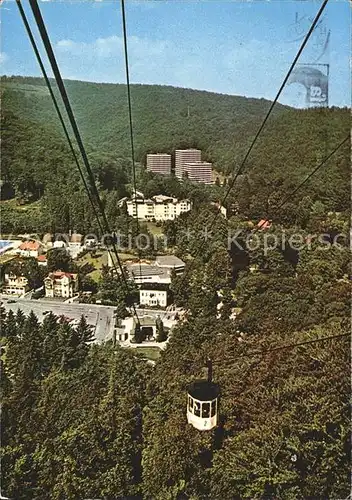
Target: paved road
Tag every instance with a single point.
(157, 312)
(101, 317)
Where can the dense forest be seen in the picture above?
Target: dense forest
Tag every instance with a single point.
(164, 118)
(88, 421)
(37, 164)
(81, 420)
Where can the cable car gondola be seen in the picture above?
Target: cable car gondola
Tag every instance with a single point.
(203, 402)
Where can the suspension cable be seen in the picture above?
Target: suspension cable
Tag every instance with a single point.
(260, 129)
(124, 29)
(313, 172)
(297, 188)
(298, 55)
(289, 346)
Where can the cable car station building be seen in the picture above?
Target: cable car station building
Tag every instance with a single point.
(202, 405)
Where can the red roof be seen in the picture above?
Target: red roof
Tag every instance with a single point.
(30, 245)
(41, 258)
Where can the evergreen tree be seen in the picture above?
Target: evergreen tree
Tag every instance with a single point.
(11, 325)
(3, 322)
(20, 319)
(161, 333)
(52, 344)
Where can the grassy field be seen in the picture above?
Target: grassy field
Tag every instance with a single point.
(6, 258)
(95, 275)
(100, 260)
(152, 353)
(21, 208)
(153, 228)
(127, 256)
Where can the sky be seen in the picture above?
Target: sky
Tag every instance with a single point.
(231, 47)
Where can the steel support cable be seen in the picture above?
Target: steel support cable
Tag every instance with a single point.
(263, 352)
(298, 55)
(47, 80)
(56, 106)
(129, 101)
(48, 47)
(260, 129)
(280, 348)
(296, 189)
(289, 346)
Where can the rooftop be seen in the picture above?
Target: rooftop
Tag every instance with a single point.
(30, 245)
(203, 390)
(198, 164)
(159, 198)
(145, 321)
(158, 154)
(76, 238)
(14, 276)
(61, 274)
(142, 270)
(47, 237)
(189, 149)
(162, 198)
(155, 286)
(59, 244)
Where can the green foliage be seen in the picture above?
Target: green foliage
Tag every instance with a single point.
(113, 291)
(217, 125)
(29, 268)
(159, 111)
(59, 260)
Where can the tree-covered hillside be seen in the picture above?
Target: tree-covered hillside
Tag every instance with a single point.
(165, 118)
(81, 420)
(37, 163)
(87, 421)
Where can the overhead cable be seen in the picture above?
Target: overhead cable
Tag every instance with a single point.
(124, 29)
(297, 188)
(260, 129)
(48, 47)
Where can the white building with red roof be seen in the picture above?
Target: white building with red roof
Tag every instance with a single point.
(14, 285)
(61, 284)
(42, 260)
(158, 208)
(264, 224)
